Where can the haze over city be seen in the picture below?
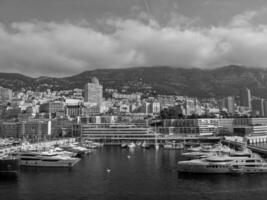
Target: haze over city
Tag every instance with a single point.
(65, 37)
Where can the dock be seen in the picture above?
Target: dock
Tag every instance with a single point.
(257, 149)
(150, 139)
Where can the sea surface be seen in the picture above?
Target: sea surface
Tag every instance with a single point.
(134, 175)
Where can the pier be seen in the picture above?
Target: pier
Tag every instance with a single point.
(257, 149)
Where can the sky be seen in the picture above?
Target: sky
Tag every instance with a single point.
(65, 37)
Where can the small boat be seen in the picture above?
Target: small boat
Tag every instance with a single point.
(131, 145)
(173, 145)
(80, 151)
(60, 151)
(194, 149)
(145, 145)
(139, 143)
(92, 145)
(124, 145)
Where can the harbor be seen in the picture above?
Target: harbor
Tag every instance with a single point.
(133, 173)
(63, 153)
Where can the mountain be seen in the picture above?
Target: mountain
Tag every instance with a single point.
(217, 82)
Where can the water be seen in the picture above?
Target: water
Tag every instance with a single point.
(139, 174)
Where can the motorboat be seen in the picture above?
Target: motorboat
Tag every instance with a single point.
(205, 151)
(45, 159)
(173, 145)
(124, 145)
(250, 163)
(145, 145)
(80, 151)
(131, 145)
(92, 145)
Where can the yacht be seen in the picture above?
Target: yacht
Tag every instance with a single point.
(80, 151)
(124, 145)
(157, 146)
(173, 145)
(235, 163)
(206, 151)
(145, 145)
(92, 145)
(46, 159)
(61, 151)
(131, 145)
(194, 149)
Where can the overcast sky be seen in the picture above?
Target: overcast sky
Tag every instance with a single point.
(66, 37)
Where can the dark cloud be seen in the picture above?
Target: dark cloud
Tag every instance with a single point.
(64, 48)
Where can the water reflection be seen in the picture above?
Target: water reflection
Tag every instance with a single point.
(135, 174)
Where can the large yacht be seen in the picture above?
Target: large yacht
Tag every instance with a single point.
(232, 163)
(206, 151)
(45, 159)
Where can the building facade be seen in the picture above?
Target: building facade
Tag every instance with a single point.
(93, 92)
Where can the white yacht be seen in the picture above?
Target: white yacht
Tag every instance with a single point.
(208, 151)
(145, 145)
(61, 151)
(173, 145)
(80, 151)
(235, 163)
(46, 159)
(92, 145)
(131, 145)
(124, 145)
(194, 149)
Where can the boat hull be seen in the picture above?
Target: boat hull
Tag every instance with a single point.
(49, 163)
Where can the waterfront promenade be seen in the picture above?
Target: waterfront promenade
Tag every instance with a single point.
(148, 138)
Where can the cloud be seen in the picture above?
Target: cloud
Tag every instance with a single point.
(58, 49)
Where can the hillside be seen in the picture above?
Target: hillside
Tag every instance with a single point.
(164, 80)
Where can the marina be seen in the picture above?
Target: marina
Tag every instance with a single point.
(116, 173)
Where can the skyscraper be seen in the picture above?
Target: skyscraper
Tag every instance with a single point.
(245, 97)
(258, 107)
(229, 104)
(93, 92)
(5, 94)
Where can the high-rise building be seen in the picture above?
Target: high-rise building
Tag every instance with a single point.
(5, 94)
(245, 97)
(93, 92)
(258, 107)
(230, 104)
(192, 106)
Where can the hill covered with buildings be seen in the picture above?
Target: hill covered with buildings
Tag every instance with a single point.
(194, 82)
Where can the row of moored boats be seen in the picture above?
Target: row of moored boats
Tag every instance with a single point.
(65, 156)
(220, 159)
(168, 145)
